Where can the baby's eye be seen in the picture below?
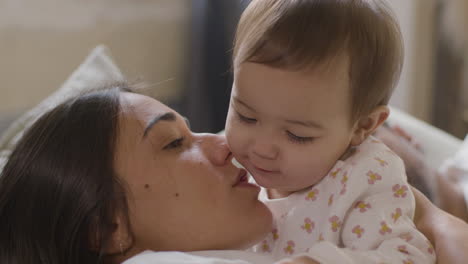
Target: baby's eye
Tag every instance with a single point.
(246, 119)
(298, 139)
(175, 144)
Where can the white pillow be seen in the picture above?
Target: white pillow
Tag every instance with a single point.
(437, 145)
(97, 70)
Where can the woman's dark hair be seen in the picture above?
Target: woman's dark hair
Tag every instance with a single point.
(59, 192)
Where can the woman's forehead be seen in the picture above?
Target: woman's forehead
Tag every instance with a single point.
(141, 107)
(137, 113)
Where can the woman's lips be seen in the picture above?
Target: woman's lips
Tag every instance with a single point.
(243, 180)
(241, 177)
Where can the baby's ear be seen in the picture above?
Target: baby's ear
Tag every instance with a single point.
(366, 125)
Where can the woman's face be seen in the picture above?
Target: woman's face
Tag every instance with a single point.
(184, 193)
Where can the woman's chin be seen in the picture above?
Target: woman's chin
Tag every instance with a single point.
(264, 227)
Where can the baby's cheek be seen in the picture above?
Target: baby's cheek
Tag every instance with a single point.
(229, 130)
(239, 155)
(235, 138)
(303, 167)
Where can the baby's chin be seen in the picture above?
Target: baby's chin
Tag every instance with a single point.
(275, 191)
(267, 182)
(262, 180)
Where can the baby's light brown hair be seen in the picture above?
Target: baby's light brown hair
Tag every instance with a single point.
(299, 35)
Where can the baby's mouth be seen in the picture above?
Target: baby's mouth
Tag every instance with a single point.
(264, 170)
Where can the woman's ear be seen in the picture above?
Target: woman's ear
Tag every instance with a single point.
(366, 125)
(119, 241)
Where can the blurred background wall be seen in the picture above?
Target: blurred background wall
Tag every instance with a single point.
(414, 91)
(42, 42)
(182, 49)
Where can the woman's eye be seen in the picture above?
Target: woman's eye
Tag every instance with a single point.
(175, 143)
(246, 119)
(298, 139)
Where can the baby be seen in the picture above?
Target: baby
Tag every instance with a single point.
(312, 80)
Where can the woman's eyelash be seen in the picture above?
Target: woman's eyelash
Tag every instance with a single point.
(175, 143)
(246, 119)
(297, 139)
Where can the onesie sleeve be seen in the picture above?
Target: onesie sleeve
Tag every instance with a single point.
(378, 227)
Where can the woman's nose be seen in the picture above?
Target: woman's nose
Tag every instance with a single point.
(216, 149)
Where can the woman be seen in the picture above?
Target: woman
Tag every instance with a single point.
(105, 176)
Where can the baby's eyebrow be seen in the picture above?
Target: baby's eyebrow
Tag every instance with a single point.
(305, 123)
(169, 116)
(239, 101)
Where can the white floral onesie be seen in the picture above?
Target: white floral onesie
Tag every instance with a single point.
(361, 212)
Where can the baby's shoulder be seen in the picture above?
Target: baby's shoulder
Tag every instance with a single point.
(370, 150)
(373, 161)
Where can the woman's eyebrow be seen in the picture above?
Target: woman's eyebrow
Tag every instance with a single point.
(169, 116)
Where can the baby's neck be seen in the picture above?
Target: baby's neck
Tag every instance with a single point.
(277, 194)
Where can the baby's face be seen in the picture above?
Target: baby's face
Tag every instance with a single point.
(289, 128)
